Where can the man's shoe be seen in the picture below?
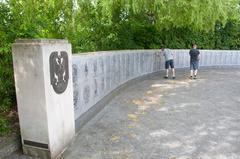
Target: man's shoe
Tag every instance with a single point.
(166, 77)
(173, 77)
(195, 77)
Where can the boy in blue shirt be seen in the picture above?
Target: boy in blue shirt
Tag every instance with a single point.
(194, 61)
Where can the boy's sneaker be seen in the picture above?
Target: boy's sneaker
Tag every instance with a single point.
(166, 77)
(195, 77)
(173, 77)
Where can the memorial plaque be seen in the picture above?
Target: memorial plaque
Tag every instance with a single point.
(108, 73)
(75, 73)
(237, 58)
(75, 99)
(95, 67)
(141, 63)
(121, 67)
(127, 65)
(101, 64)
(131, 64)
(103, 83)
(86, 94)
(137, 63)
(86, 70)
(118, 69)
(114, 78)
(59, 72)
(96, 87)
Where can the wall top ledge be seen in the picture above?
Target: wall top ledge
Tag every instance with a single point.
(142, 51)
(40, 41)
(114, 52)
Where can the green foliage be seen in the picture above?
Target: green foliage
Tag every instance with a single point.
(7, 91)
(27, 19)
(4, 126)
(228, 36)
(166, 14)
(144, 24)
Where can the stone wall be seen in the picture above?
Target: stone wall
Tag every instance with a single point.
(96, 74)
(208, 58)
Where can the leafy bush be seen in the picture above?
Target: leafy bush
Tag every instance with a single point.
(7, 89)
(4, 126)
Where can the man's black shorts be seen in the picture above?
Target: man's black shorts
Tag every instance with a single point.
(169, 63)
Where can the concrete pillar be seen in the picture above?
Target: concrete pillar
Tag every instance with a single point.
(43, 80)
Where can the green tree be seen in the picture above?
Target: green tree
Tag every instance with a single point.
(166, 14)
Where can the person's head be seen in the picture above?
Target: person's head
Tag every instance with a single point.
(162, 48)
(194, 45)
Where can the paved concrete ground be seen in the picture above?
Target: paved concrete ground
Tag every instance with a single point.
(167, 119)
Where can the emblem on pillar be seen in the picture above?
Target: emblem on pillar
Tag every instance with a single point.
(59, 72)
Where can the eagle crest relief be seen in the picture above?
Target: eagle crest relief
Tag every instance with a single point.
(59, 73)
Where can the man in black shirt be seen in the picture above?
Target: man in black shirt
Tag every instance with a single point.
(194, 61)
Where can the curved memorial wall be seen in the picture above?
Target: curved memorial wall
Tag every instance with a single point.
(98, 74)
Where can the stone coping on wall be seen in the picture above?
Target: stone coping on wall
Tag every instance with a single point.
(37, 41)
(145, 50)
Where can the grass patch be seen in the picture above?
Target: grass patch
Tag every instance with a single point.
(5, 126)
(9, 123)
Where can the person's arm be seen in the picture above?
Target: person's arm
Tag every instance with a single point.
(171, 53)
(157, 53)
(163, 53)
(198, 57)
